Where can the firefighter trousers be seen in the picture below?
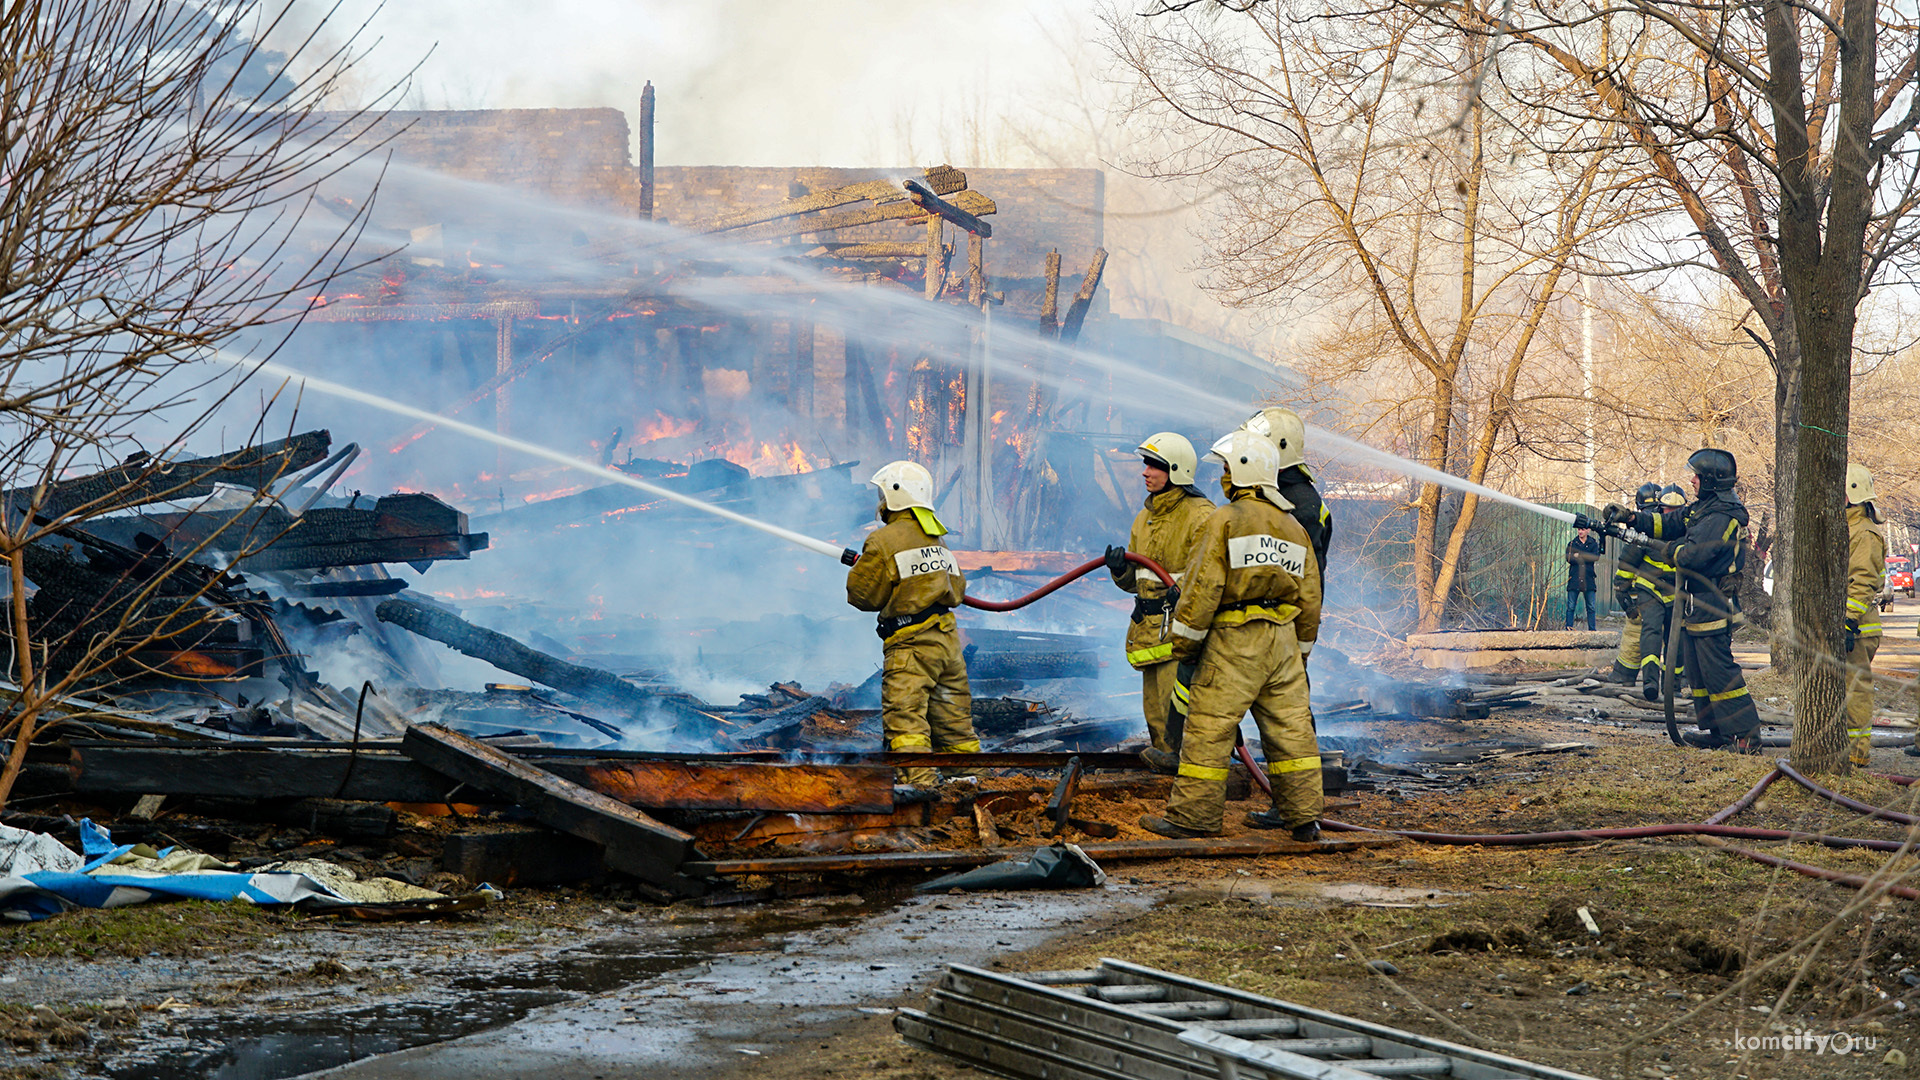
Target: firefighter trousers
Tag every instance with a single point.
(1157, 702)
(1720, 699)
(1255, 665)
(1860, 697)
(924, 700)
(1654, 614)
(1628, 658)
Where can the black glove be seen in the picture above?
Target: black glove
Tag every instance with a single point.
(1853, 633)
(1615, 514)
(1117, 563)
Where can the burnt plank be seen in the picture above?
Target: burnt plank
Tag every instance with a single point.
(1217, 847)
(1061, 804)
(136, 483)
(680, 785)
(503, 652)
(635, 843)
(373, 775)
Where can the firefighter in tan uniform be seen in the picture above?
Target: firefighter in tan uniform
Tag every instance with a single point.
(1866, 571)
(1165, 530)
(1249, 611)
(907, 575)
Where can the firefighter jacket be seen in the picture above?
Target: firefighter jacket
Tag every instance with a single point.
(1866, 568)
(1253, 563)
(1709, 550)
(1581, 557)
(1166, 530)
(1641, 567)
(906, 575)
(1296, 486)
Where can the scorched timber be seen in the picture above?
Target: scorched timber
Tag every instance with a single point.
(147, 480)
(588, 684)
(383, 775)
(411, 528)
(635, 843)
(1218, 847)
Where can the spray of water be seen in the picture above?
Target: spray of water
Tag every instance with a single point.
(334, 389)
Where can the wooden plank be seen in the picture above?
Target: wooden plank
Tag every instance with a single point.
(824, 789)
(1083, 299)
(943, 179)
(503, 652)
(635, 843)
(372, 775)
(934, 204)
(1214, 848)
(1061, 804)
(146, 480)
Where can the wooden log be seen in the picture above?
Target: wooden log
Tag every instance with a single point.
(1050, 300)
(147, 480)
(936, 271)
(635, 843)
(503, 652)
(826, 789)
(1214, 848)
(876, 249)
(373, 775)
(983, 822)
(904, 210)
(509, 855)
(934, 204)
(943, 179)
(1083, 299)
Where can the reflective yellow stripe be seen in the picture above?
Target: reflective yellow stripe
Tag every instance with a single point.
(1659, 526)
(1183, 630)
(1181, 694)
(1202, 772)
(971, 746)
(1152, 654)
(1698, 693)
(1868, 629)
(1653, 659)
(1278, 612)
(1728, 695)
(911, 742)
(1325, 514)
(1733, 527)
(1717, 624)
(1658, 565)
(1860, 733)
(1856, 605)
(1299, 764)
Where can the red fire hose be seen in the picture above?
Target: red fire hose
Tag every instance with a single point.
(1070, 576)
(1713, 826)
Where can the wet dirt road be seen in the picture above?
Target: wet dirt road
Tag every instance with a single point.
(709, 1018)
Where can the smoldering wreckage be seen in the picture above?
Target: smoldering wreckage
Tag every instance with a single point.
(595, 765)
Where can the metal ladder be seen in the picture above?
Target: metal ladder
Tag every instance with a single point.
(1121, 1021)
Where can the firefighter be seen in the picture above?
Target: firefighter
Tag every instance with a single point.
(1165, 530)
(1706, 543)
(1657, 586)
(1626, 590)
(1866, 573)
(906, 574)
(1249, 612)
(1288, 434)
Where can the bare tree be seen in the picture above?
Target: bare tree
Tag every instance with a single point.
(1435, 256)
(158, 166)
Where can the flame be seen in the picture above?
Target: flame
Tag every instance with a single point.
(557, 493)
(470, 594)
(770, 459)
(664, 427)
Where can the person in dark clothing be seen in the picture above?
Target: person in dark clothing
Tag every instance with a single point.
(1706, 543)
(1288, 434)
(1582, 552)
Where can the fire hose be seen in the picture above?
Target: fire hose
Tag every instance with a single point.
(1714, 826)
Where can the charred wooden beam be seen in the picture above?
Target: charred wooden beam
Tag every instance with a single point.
(934, 204)
(1060, 806)
(371, 775)
(503, 652)
(408, 528)
(877, 249)
(819, 789)
(635, 843)
(943, 179)
(937, 253)
(1083, 299)
(144, 479)
(971, 202)
(1117, 850)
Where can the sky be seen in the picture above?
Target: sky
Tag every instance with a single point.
(743, 82)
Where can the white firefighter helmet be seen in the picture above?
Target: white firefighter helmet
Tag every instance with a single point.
(1251, 461)
(1285, 430)
(1859, 485)
(904, 485)
(1173, 451)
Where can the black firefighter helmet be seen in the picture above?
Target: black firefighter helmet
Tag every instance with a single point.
(1647, 496)
(1715, 468)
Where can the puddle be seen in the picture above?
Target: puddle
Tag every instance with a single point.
(334, 1026)
(1355, 893)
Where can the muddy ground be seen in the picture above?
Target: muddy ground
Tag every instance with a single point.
(1698, 947)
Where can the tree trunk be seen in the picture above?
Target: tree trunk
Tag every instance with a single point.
(1817, 579)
